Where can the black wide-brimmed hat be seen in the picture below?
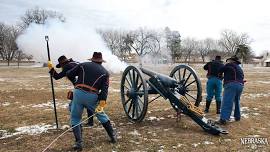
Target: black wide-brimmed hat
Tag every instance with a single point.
(97, 57)
(235, 59)
(62, 61)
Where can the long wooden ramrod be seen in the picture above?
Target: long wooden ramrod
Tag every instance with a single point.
(53, 95)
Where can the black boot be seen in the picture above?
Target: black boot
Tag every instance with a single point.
(218, 103)
(78, 138)
(108, 127)
(207, 106)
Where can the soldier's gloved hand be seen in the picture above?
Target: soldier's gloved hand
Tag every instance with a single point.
(50, 65)
(101, 106)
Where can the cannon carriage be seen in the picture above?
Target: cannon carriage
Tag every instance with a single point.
(182, 88)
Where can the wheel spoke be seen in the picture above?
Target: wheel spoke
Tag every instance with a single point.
(140, 106)
(184, 74)
(191, 96)
(179, 74)
(190, 83)
(130, 78)
(137, 79)
(174, 77)
(137, 110)
(134, 79)
(187, 79)
(130, 106)
(127, 101)
(128, 82)
(138, 88)
(126, 86)
(133, 109)
(141, 100)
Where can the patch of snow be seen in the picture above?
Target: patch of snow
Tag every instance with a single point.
(166, 129)
(134, 133)
(244, 115)
(41, 76)
(255, 108)
(155, 118)
(195, 144)
(65, 127)
(253, 135)
(154, 140)
(5, 104)
(264, 82)
(179, 145)
(208, 143)
(29, 130)
(47, 105)
(256, 95)
(244, 109)
(227, 140)
(256, 114)
(171, 116)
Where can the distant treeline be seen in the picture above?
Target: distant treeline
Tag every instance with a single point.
(158, 43)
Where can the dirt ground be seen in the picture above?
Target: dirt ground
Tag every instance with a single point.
(25, 100)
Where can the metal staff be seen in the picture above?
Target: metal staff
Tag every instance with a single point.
(54, 105)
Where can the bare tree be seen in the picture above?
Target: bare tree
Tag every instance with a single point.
(39, 16)
(29, 57)
(188, 46)
(205, 47)
(173, 40)
(19, 55)
(9, 46)
(244, 53)
(230, 40)
(117, 42)
(144, 41)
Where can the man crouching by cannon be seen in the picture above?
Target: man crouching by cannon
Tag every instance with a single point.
(66, 65)
(91, 90)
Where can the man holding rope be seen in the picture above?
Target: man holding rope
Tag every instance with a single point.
(66, 65)
(91, 90)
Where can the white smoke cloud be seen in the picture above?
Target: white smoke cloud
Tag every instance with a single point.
(73, 39)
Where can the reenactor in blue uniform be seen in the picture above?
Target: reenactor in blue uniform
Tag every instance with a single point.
(91, 90)
(214, 83)
(66, 65)
(233, 86)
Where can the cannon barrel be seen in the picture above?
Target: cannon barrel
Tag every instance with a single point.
(165, 80)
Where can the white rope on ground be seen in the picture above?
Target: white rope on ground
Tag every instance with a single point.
(67, 131)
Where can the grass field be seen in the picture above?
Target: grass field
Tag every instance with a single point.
(27, 117)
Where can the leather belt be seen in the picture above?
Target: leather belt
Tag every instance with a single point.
(86, 88)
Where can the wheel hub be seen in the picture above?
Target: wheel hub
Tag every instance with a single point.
(131, 93)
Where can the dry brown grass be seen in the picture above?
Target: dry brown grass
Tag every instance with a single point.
(26, 86)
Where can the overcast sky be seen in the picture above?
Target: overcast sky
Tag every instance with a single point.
(192, 18)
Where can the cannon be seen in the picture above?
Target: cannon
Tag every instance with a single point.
(182, 88)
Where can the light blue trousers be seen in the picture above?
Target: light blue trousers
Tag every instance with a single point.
(232, 93)
(81, 100)
(214, 88)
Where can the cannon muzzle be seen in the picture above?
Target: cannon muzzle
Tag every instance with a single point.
(165, 80)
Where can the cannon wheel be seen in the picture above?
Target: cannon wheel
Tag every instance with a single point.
(190, 84)
(134, 94)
